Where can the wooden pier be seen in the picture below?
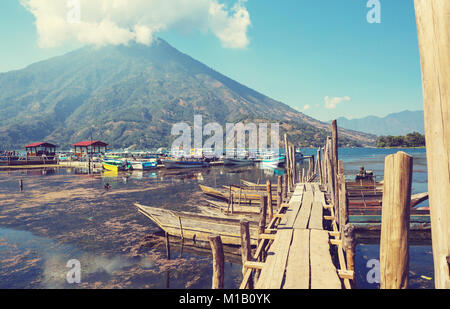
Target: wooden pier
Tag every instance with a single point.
(300, 255)
(301, 247)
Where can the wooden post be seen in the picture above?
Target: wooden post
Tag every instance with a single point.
(433, 29)
(262, 224)
(287, 161)
(334, 161)
(21, 185)
(167, 246)
(218, 261)
(394, 247)
(269, 200)
(319, 166)
(262, 214)
(279, 191)
(285, 185)
(342, 193)
(349, 245)
(324, 167)
(246, 248)
(294, 167)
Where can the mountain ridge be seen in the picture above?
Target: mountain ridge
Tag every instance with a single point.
(399, 123)
(131, 95)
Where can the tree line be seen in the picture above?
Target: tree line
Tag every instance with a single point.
(414, 139)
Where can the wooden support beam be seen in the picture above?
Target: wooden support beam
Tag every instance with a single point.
(335, 160)
(267, 236)
(167, 246)
(433, 29)
(253, 265)
(218, 262)
(342, 197)
(346, 274)
(262, 223)
(394, 247)
(279, 191)
(349, 246)
(269, 200)
(336, 242)
(246, 250)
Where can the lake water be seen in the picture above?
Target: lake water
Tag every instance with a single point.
(65, 214)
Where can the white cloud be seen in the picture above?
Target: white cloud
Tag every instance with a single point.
(331, 103)
(306, 107)
(102, 22)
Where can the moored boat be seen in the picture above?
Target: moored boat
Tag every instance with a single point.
(237, 161)
(273, 161)
(171, 164)
(116, 165)
(144, 165)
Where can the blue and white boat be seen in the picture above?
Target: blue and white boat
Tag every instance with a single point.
(273, 160)
(144, 165)
(298, 155)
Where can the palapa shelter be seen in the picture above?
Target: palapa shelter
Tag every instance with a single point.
(86, 148)
(40, 149)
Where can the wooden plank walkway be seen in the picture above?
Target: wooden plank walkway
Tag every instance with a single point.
(299, 257)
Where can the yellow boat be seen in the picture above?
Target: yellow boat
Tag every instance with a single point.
(116, 165)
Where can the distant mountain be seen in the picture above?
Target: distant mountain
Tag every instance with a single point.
(393, 124)
(129, 96)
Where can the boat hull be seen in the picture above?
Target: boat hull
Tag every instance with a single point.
(237, 161)
(278, 161)
(197, 227)
(144, 165)
(172, 164)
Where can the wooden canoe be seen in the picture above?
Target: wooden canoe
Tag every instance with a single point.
(251, 184)
(197, 227)
(237, 188)
(225, 208)
(244, 197)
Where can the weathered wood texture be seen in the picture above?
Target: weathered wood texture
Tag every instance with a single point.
(218, 262)
(323, 272)
(300, 256)
(394, 247)
(433, 28)
(334, 161)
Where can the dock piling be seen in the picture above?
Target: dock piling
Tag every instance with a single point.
(269, 200)
(433, 26)
(167, 246)
(394, 246)
(246, 249)
(218, 262)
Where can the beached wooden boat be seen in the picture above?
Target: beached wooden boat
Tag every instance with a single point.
(226, 208)
(197, 227)
(240, 197)
(237, 188)
(250, 184)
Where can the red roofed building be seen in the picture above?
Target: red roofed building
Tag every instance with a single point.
(40, 149)
(89, 147)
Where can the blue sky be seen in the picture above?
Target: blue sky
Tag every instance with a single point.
(318, 54)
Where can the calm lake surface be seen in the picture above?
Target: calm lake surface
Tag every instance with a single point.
(64, 214)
